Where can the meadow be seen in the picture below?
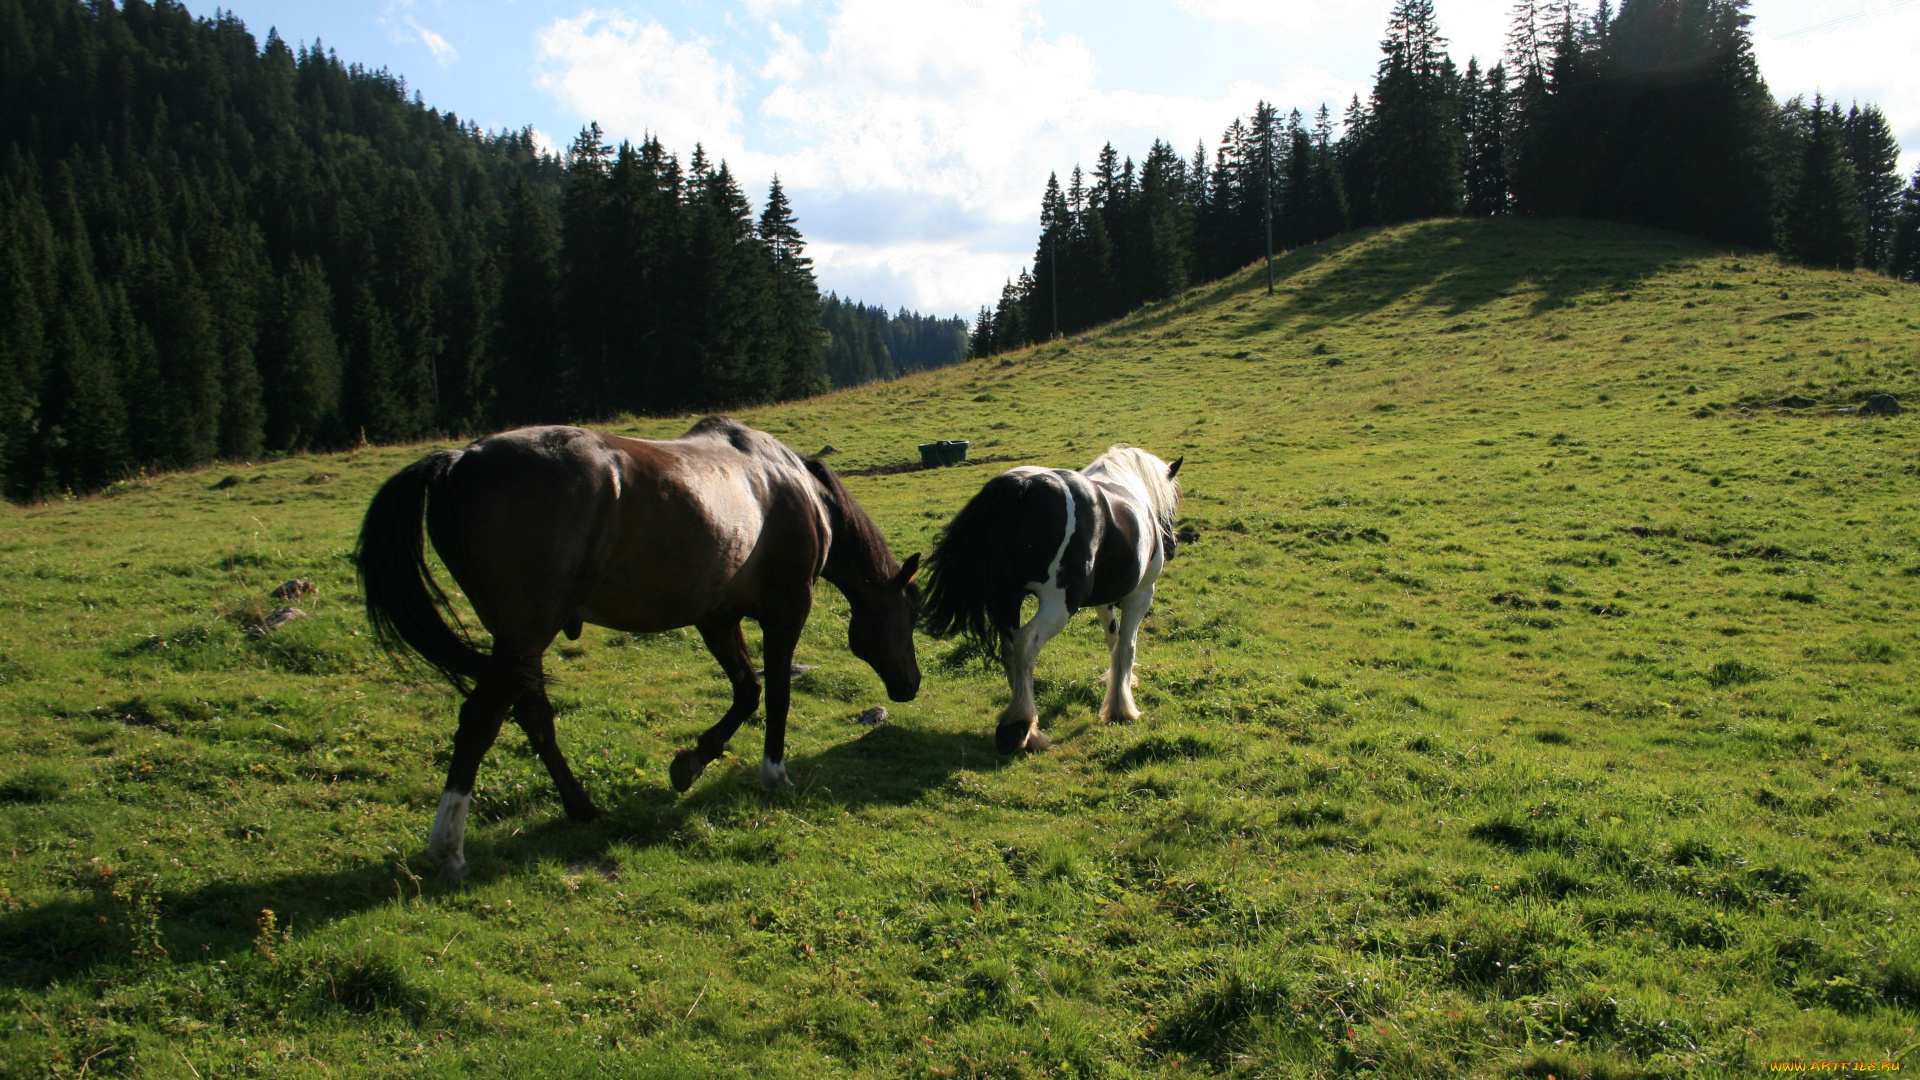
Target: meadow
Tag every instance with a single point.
(1532, 698)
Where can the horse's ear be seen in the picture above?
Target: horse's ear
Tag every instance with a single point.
(1173, 470)
(907, 570)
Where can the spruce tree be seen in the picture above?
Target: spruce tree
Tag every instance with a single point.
(411, 268)
(1415, 119)
(22, 347)
(980, 341)
(1487, 186)
(1295, 224)
(583, 381)
(1326, 194)
(85, 414)
(1824, 225)
(1166, 223)
(234, 282)
(1056, 241)
(728, 362)
(529, 345)
(1875, 156)
(374, 411)
(1359, 163)
(1903, 260)
(795, 301)
(304, 364)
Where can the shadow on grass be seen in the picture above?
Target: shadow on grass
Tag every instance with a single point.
(1460, 265)
(1457, 265)
(85, 938)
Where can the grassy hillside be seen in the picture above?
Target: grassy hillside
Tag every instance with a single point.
(1535, 700)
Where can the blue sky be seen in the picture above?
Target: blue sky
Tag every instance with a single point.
(915, 138)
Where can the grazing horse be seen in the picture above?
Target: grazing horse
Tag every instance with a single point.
(1094, 538)
(546, 528)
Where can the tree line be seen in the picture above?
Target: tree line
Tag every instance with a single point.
(1653, 113)
(865, 343)
(213, 247)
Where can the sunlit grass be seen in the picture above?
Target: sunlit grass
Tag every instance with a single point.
(1535, 699)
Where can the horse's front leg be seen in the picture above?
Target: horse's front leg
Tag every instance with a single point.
(1118, 707)
(1019, 725)
(779, 637)
(728, 644)
(1110, 625)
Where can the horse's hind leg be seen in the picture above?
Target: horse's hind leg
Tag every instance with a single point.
(480, 718)
(729, 646)
(534, 713)
(1019, 724)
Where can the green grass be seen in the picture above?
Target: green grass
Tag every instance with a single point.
(1536, 699)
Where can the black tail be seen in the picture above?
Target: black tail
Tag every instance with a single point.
(404, 603)
(966, 570)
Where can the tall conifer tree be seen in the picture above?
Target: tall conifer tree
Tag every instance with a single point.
(1875, 156)
(1824, 225)
(1415, 119)
(795, 301)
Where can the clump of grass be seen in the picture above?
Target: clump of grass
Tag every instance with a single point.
(41, 782)
(1733, 672)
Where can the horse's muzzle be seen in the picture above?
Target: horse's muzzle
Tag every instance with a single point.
(905, 690)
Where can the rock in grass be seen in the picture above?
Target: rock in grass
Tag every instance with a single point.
(875, 716)
(1881, 405)
(279, 618)
(1795, 401)
(294, 590)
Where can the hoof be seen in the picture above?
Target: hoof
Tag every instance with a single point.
(1016, 735)
(454, 869)
(582, 813)
(686, 768)
(773, 776)
(1011, 736)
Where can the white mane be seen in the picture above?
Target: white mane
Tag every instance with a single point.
(1136, 468)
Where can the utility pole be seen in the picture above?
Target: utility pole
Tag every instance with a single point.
(1053, 253)
(1267, 153)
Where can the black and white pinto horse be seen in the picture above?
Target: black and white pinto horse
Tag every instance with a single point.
(1095, 538)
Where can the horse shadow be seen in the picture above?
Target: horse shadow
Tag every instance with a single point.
(81, 937)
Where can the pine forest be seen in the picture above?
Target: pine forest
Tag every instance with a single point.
(213, 247)
(1654, 113)
(216, 248)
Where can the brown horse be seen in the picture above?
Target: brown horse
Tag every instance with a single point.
(546, 528)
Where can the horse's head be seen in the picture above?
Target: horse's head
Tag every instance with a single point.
(880, 630)
(882, 594)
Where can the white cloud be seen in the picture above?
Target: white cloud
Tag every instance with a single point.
(634, 77)
(1870, 57)
(442, 49)
(972, 103)
(916, 138)
(946, 277)
(965, 103)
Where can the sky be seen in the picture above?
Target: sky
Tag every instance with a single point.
(915, 137)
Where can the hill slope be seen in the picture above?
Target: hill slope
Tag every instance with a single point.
(1524, 705)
